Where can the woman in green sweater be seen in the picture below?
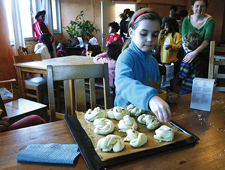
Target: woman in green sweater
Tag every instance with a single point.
(204, 24)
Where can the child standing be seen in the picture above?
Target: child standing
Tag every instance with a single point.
(113, 36)
(170, 42)
(188, 71)
(136, 65)
(42, 47)
(110, 57)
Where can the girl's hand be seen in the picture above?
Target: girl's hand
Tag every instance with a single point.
(162, 31)
(189, 57)
(4, 124)
(160, 108)
(168, 46)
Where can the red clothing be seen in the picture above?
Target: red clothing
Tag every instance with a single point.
(40, 28)
(114, 38)
(60, 53)
(30, 120)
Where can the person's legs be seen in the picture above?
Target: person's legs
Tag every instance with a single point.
(27, 121)
(204, 59)
(50, 49)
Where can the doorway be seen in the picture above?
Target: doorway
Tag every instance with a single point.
(110, 11)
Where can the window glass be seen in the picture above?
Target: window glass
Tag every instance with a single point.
(27, 14)
(56, 16)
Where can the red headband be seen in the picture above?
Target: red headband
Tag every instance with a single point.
(144, 12)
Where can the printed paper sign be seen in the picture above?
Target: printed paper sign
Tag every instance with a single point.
(201, 96)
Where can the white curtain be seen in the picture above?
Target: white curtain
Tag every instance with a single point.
(17, 27)
(46, 5)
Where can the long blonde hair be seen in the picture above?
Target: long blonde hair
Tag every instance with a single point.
(141, 14)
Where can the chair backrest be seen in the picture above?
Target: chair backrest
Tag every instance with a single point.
(74, 77)
(2, 107)
(30, 46)
(22, 50)
(27, 58)
(96, 49)
(216, 59)
(13, 84)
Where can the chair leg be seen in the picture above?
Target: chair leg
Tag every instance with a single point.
(39, 96)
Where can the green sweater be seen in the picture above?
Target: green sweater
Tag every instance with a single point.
(206, 31)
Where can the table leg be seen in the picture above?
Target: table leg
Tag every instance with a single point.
(20, 82)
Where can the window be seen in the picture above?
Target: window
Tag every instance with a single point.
(56, 16)
(28, 10)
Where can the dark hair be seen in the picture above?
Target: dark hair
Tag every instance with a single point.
(125, 12)
(173, 7)
(115, 26)
(183, 13)
(114, 50)
(43, 37)
(206, 2)
(171, 23)
(192, 40)
(150, 16)
(130, 14)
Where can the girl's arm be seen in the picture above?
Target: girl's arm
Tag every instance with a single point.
(100, 58)
(160, 108)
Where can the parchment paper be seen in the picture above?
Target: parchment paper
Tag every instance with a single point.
(151, 143)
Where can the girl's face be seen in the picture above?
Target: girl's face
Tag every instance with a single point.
(199, 8)
(166, 27)
(146, 34)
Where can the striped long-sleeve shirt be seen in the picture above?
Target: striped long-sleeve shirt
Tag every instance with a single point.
(188, 71)
(40, 28)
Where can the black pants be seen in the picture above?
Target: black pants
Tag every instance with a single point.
(204, 59)
(50, 49)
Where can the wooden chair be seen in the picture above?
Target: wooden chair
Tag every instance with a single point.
(13, 85)
(94, 50)
(22, 50)
(30, 46)
(216, 59)
(35, 84)
(74, 86)
(19, 108)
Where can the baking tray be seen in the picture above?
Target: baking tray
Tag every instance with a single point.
(94, 162)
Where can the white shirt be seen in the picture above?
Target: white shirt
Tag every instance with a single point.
(43, 50)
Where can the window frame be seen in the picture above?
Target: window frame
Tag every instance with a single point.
(58, 18)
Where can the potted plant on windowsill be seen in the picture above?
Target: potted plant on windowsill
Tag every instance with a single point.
(80, 27)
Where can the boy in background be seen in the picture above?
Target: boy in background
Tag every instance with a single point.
(188, 71)
(42, 47)
(113, 36)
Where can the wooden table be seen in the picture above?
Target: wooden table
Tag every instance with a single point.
(209, 153)
(41, 67)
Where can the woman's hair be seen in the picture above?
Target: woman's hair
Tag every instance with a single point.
(206, 2)
(115, 26)
(192, 40)
(130, 14)
(141, 14)
(171, 23)
(125, 12)
(114, 50)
